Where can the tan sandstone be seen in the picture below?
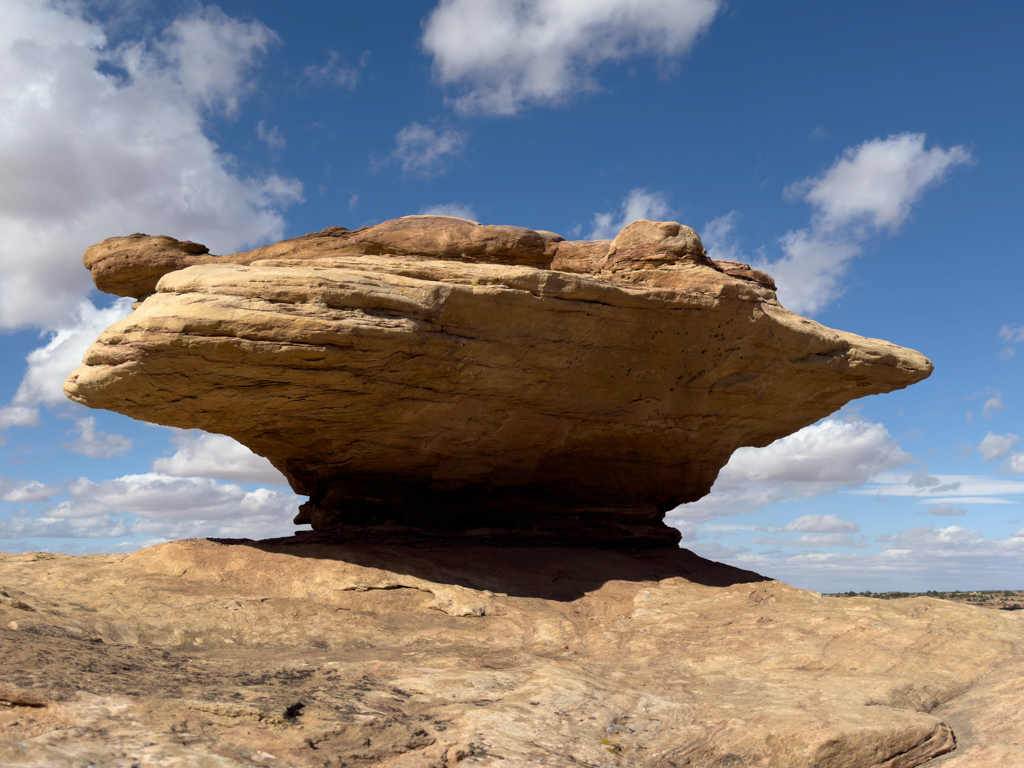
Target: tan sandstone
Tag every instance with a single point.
(436, 373)
(299, 652)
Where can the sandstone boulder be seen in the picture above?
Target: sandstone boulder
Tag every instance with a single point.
(437, 373)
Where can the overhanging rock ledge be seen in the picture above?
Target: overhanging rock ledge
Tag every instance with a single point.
(435, 374)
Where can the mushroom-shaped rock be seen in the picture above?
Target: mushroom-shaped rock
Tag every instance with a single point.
(442, 374)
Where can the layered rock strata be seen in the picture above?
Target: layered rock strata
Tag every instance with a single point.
(436, 373)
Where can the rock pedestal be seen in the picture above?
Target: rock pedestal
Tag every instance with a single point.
(434, 373)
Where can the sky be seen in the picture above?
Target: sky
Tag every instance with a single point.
(868, 155)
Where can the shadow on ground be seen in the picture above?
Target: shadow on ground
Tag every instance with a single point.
(548, 572)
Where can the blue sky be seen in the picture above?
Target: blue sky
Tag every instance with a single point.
(868, 155)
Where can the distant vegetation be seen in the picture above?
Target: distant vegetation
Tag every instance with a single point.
(1005, 599)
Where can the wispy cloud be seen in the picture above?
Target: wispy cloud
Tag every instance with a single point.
(458, 210)
(426, 151)
(95, 443)
(273, 138)
(335, 73)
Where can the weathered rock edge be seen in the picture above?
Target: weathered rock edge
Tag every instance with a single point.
(431, 372)
(300, 652)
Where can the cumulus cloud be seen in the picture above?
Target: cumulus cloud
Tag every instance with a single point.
(995, 446)
(94, 443)
(334, 73)
(458, 210)
(869, 190)
(817, 460)
(426, 151)
(97, 527)
(1016, 463)
(875, 184)
(499, 55)
(638, 204)
(18, 416)
(161, 506)
(216, 456)
(49, 365)
(822, 524)
(945, 510)
(26, 491)
(98, 141)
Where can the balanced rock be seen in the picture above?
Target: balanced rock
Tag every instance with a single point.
(437, 373)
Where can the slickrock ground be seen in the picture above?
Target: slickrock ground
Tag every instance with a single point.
(437, 372)
(296, 652)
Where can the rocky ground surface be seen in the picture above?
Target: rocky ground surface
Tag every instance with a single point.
(299, 652)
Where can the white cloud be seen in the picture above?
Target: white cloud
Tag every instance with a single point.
(208, 54)
(97, 142)
(334, 73)
(425, 151)
(273, 137)
(26, 491)
(995, 446)
(992, 404)
(216, 456)
(913, 560)
(822, 524)
(871, 188)
(945, 510)
(17, 416)
(458, 210)
(875, 184)
(94, 443)
(812, 462)
(49, 365)
(1016, 463)
(155, 505)
(809, 273)
(95, 527)
(955, 489)
(503, 54)
(1012, 334)
(164, 498)
(824, 540)
(638, 204)
(719, 237)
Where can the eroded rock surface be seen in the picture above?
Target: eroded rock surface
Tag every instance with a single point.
(298, 652)
(439, 373)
